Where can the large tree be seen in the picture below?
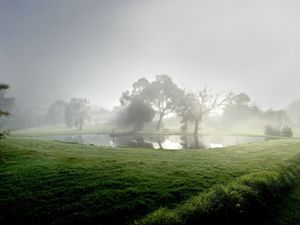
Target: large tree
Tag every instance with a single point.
(162, 95)
(135, 113)
(76, 113)
(165, 96)
(239, 109)
(136, 105)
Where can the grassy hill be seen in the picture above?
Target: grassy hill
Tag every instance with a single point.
(47, 182)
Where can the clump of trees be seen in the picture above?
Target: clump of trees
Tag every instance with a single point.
(242, 113)
(239, 109)
(73, 114)
(163, 97)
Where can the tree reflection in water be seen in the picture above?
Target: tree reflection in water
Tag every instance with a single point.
(191, 142)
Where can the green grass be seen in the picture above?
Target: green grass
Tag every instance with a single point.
(47, 182)
(247, 200)
(60, 130)
(288, 211)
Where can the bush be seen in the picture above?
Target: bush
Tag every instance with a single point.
(4, 133)
(270, 131)
(286, 131)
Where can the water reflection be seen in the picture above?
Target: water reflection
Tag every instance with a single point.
(159, 141)
(137, 142)
(190, 142)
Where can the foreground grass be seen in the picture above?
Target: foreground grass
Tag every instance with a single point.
(58, 183)
(247, 200)
(288, 211)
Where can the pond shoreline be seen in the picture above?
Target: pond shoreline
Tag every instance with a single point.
(156, 141)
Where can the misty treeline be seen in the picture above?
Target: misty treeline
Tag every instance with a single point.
(157, 105)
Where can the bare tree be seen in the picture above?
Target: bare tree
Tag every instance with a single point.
(205, 102)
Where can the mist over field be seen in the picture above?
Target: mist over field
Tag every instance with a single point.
(149, 112)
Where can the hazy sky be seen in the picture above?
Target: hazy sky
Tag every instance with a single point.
(58, 49)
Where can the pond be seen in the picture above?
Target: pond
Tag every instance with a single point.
(158, 141)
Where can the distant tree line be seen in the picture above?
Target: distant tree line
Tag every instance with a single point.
(153, 103)
(73, 114)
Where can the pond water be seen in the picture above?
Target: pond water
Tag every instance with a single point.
(158, 141)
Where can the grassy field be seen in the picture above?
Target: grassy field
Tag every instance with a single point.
(47, 182)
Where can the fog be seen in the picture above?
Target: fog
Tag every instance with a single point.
(52, 50)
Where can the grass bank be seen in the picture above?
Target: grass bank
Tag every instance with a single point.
(247, 200)
(47, 182)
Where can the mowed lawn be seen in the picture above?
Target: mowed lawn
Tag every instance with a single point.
(47, 182)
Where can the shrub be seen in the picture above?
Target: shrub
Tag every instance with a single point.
(270, 131)
(286, 131)
(4, 133)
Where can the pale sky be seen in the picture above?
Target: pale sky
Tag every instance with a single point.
(59, 49)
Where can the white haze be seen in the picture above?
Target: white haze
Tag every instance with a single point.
(53, 50)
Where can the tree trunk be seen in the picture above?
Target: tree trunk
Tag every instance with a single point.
(184, 125)
(196, 141)
(196, 128)
(159, 123)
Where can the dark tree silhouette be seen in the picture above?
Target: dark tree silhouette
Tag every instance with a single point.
(6, 103)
